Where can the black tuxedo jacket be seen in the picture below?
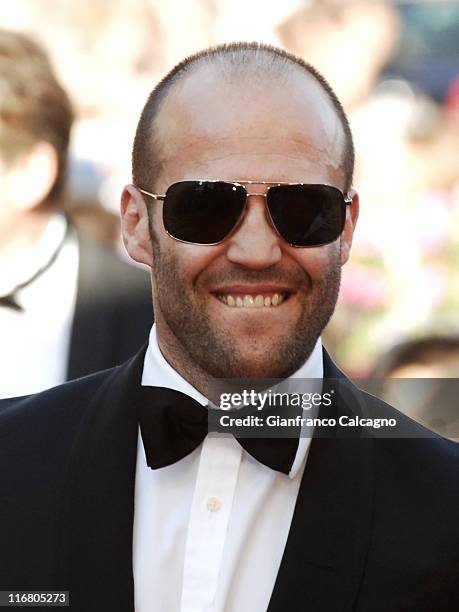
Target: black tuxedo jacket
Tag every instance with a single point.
(113, 311)
(375, 527)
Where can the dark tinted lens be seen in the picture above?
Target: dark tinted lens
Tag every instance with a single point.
(307, 215)
(202, 212)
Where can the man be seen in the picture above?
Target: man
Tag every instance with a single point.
(243, 208)
(67, 306)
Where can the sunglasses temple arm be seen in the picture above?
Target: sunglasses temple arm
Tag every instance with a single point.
(155, 196)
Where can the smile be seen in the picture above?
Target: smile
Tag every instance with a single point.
(267, 300)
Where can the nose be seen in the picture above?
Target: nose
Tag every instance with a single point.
(255, 243)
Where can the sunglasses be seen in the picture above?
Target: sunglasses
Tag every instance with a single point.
(207, 212)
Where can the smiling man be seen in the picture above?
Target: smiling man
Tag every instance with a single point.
(251, 304)
(242, 206)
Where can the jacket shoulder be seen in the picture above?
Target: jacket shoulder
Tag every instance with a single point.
(24, 420)
(408, 457)
(37, 436)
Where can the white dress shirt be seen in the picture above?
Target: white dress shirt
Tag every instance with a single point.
(210, 530)
(35, 342)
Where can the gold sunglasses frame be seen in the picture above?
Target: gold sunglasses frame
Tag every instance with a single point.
(162, 196)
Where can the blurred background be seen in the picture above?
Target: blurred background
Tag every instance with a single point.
(394, 65)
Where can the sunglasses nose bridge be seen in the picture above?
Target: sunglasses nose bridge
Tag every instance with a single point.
(268, 216)
(249, 194)
(253, 243)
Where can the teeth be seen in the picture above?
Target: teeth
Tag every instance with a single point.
(250, 301)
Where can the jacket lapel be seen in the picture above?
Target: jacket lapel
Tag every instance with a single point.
(327, 544)
(98, 505)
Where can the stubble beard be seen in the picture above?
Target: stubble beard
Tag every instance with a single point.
(214, 351)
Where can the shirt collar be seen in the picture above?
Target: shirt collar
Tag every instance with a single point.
(157, 372)
(39, 254)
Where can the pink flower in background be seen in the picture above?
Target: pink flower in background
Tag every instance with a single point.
(364, 287)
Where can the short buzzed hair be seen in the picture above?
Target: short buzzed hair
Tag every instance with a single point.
(228, 58)
(33, 105)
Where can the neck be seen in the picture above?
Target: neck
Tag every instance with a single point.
(19, 233)
(179, 359)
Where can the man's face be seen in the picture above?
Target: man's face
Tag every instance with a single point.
(210, 131)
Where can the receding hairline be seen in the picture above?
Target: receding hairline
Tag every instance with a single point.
(244, 60)
(254, 77)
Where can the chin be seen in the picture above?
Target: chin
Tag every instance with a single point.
(256, 368)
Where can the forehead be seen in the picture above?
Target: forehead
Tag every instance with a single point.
(210, 118)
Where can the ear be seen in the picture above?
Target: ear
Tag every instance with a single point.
(134, 226)
(352, 214)
(32, 176)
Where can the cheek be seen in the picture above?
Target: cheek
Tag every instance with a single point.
(192, 261)
(181, 263)
(317, 262)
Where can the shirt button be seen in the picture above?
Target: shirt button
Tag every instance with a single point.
(213, 504)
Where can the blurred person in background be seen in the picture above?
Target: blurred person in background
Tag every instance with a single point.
(432, 401)
(243, 207)
(350, 42)
(94, 221)
(68, 306)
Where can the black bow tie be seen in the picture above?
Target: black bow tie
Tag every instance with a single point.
(173, 425)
